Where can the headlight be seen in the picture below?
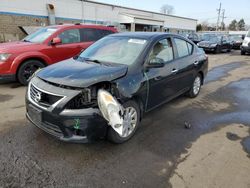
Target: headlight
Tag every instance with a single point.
(4, 56)
(111, 110)
(213, 45)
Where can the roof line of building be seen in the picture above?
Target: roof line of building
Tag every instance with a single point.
(118, 6)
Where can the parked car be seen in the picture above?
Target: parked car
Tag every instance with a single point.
(106, 90)
(19, 60)
(215, 43)
(194, 37)
(245, 47)
(236, 41)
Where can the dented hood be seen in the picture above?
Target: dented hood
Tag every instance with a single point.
(81, 74)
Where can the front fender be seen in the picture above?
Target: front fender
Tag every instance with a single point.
(29, 55)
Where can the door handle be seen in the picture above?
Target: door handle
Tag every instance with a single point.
(196, 62)
(158, 78)
(174, 71)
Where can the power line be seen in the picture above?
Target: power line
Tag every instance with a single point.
(218, 20)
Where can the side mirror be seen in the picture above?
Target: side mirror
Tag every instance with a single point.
(55, 41)
(243, 37)
(156, 63)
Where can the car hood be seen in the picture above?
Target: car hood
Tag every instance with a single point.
(81, 74)
(10, 46)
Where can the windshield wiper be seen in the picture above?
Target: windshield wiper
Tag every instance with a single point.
(93, 60)
(25, 40)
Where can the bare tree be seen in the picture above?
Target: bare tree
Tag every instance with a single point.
(167, 9)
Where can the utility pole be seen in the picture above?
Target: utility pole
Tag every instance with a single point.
(218, 20)
(223, 17)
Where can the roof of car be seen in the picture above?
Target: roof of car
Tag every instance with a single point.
(82, 26)
(143, 35)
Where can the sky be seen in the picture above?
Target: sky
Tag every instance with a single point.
(203, 10)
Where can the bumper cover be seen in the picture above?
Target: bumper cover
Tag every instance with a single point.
(91, 126)
(69, 125)
(245, 48)
(7, 78)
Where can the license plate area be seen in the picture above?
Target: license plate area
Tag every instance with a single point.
(35, 114)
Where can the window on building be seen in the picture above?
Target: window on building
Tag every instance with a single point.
(162, 50)
(70, 36)
(182, 47)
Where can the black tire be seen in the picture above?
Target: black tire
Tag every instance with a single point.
(27, 69)
(192, 93)
(229, 50)
(113, 136)
(217, 50)
(243, 52)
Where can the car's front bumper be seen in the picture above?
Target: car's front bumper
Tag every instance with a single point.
(7, 78)
(208, 49)
(91, 126)
(245, 49)
(70, 125)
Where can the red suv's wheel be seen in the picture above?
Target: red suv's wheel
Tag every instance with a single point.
(27, 69)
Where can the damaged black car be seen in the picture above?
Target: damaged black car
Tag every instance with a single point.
(105, 91)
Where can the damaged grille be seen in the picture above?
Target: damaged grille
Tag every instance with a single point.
(42, 98)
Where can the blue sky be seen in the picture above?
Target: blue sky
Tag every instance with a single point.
(203, 10)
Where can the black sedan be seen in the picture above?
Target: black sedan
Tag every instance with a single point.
(215, 44)
(236, 41)
(106, 90)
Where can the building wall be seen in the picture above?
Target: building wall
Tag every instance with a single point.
(16, 13)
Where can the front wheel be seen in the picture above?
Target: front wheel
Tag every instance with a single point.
(196, 87)
(27, 69)
(243, 52)
(217, 50)
(131, 122)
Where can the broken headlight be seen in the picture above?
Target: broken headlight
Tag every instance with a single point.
(111, 110)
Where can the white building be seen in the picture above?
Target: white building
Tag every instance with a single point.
(14, 13)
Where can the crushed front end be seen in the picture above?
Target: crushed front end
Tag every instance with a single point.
(69, 114)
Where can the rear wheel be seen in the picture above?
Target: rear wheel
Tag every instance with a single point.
(196, 87)
(243, 52)
(131, 122)
(27, 69)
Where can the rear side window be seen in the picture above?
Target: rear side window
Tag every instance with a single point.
(91, 34)
(70, 36)
(183, 48)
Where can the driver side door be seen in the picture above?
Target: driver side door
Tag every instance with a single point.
(162, 81)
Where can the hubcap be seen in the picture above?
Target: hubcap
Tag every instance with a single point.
(197, 85)
(130, 120)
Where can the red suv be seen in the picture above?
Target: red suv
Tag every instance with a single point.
(48, 45)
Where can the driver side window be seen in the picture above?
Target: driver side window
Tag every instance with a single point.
(162, 52)
(70, 36)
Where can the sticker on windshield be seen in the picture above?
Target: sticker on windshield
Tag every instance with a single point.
(137, 41)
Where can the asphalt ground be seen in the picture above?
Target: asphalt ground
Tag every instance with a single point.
(214, 152)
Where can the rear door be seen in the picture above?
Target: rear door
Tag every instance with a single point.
(186, 63)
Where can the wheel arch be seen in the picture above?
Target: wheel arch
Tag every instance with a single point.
(30, 58)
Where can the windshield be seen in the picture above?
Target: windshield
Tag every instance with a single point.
(120, 50)
(236, 38)
(40, 35)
